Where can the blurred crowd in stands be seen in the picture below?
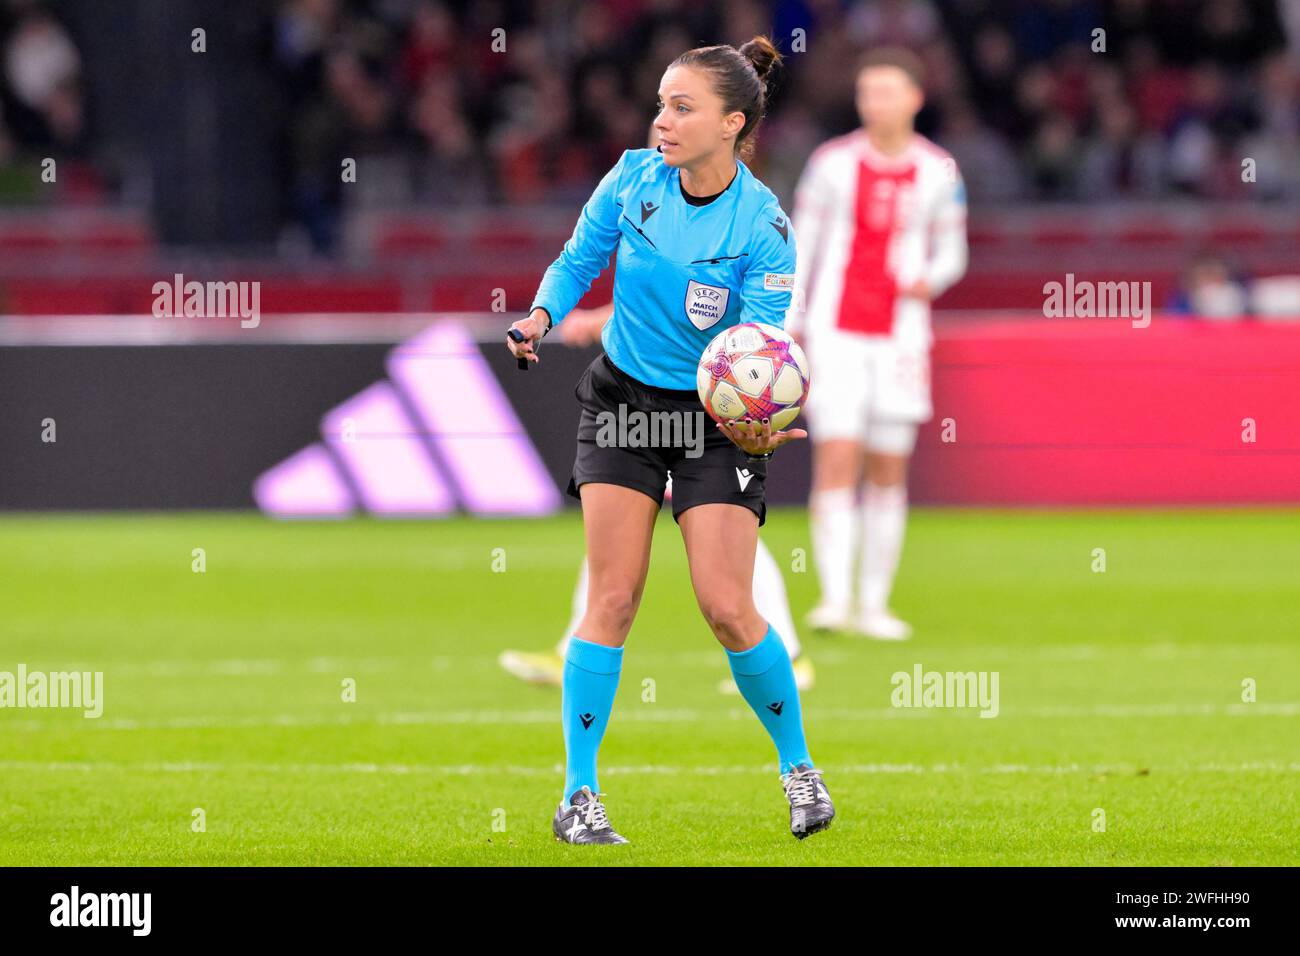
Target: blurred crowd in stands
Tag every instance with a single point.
(1032, 102)
(42, 103)
(484, 102)
(1035, 104)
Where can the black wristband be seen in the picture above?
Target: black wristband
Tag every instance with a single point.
(754, 459)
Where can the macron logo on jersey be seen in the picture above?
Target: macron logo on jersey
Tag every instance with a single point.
(648, 209)
(744, 477)
(782, 227)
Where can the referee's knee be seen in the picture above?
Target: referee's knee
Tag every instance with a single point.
(729, 616)
(615, 607)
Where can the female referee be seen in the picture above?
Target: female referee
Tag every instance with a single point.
(702, 245)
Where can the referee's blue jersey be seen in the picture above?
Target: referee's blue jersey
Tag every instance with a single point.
(685, 272)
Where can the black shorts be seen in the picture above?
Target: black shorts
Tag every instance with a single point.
(640, 450)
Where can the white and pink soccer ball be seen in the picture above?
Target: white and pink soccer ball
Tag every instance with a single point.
(753, 371)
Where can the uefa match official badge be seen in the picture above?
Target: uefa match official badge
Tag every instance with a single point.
(705, 304)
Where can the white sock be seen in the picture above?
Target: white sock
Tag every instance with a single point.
(884, 519)
(579, 609)
(834, 515)
(770, 598)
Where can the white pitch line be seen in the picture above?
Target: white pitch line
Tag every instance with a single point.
(463, 770)
(643, 714)
(308, 720)
(644, 654)
(251, 667)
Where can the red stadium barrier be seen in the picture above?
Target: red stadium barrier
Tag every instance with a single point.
(55, 262)
(1099, 412)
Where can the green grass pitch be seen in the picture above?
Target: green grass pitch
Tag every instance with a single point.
(1119, 691)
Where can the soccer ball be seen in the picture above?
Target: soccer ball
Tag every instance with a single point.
(753, 371)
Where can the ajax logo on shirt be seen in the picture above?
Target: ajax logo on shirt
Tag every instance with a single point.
(705, 304)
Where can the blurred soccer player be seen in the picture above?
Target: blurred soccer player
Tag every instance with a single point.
(880, 215)
(702, 245)
(582, 327)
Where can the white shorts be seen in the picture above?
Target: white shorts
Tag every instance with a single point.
(871, 389)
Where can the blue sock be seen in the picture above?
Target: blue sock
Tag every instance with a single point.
(590, 680)
(766, 680)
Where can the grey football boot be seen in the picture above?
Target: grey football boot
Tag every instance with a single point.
(811, 809)
(584, 820)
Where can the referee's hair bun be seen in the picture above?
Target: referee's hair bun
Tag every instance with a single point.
(762, 54)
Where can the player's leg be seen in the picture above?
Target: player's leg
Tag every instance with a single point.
(836, 414)
(719, 537)
(547, 667)
(771, 600)
(899, 404)
(836, 468)
(579, 607)
(772, 603)
(883, 521)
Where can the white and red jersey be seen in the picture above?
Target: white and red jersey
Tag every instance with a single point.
(866, 225)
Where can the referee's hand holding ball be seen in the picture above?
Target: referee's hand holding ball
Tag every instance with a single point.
(756, 438)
